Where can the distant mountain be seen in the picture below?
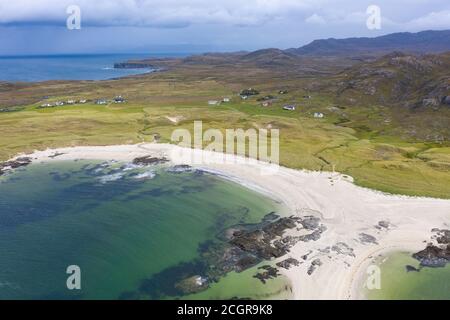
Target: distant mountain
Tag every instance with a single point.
(421, 42)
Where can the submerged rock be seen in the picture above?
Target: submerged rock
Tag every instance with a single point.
(410, 268)
(192, 284)
(268, 273)
(180, 168)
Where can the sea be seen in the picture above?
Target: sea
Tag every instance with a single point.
(397, 282)
(36, 68)
(125, 232)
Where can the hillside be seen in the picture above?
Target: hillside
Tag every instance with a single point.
(406, 80)
(421, 42)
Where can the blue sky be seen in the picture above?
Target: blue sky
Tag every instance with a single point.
(39, 26)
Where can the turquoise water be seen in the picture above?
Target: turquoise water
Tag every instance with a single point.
(132, 231)
(398, 284)
(69, 67)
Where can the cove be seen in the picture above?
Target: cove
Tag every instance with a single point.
(132, 231)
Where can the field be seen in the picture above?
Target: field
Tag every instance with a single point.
(370, 142)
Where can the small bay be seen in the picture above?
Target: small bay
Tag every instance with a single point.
(132, 231)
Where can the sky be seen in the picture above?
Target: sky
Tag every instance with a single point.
(29, 27)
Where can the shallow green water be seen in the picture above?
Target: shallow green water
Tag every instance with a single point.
(398, 284)
(130, 234)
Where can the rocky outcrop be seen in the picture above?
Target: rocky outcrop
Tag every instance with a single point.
(13, 164)
(288, 263)
(433, 256)
(133, 65)
(436, 255)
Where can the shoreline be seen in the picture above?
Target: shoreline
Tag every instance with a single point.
(351, 214)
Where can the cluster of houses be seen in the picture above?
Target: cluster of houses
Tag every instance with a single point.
(62, 103)
(266, 101)
(117, 99)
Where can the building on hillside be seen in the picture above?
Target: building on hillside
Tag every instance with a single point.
(267, 103)
(119, 99)
(101, 101)
(226, 99)
(318, 115)
(289, 107)
(213, 102)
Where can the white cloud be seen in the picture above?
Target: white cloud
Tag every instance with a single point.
(315, 19)
(433, 20)
(150, 12)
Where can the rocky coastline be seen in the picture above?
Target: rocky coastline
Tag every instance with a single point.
(10, 165)
(437, 252)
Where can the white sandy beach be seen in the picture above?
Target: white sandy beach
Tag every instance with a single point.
(345, 209)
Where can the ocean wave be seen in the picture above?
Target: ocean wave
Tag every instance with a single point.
(111, 177)
(145, 175)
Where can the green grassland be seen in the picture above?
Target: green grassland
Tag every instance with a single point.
(368, 142)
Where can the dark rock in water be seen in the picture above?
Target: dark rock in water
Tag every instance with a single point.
(271, 216)
(14, 164)
(192, 284)
(259, 241)
(367, 238)
(410, 268)
(433, 256)
(247, 261)
(288, 263)
(149, 160)
(268, 273)
(180, 168)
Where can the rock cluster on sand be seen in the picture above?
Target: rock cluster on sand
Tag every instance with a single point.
(314, 265)
(288, 263)
(149, 160)
(268, 272)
